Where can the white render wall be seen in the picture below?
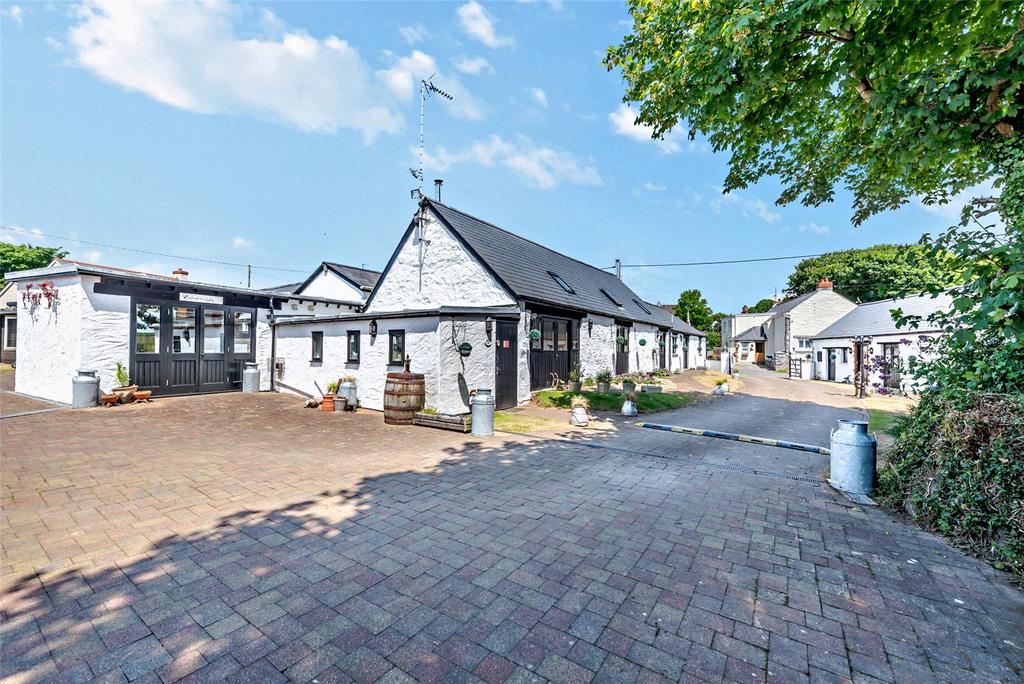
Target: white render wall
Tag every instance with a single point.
(910, 345)
(49, 340)
(597, 346)
(450, 276)
(330, 285)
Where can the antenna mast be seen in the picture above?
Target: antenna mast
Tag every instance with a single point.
(426, 88)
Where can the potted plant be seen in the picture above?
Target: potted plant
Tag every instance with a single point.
(575, 379)
(125, 391)
(327, 404)
(721, 386)
(579, 411)
(628, 383)
(604, 381)
(629, 405)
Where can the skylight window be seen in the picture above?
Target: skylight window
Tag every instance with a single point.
(612, 299)
(561, 281)
(641, 305)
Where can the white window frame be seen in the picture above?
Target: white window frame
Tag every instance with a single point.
(7, 320)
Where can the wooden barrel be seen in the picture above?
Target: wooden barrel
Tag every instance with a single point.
(404, 395)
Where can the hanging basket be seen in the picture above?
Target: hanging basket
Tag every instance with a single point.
(620, 340)
(535, 334)
(465, 349)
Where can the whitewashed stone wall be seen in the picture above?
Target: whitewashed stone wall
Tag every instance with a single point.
(264, 347)
(913, 347)
(49, 340)
(523, 360)
(330, 285)
(105, 330)
(597, 345)
(458, 375)
(643, 358)
(450, 276)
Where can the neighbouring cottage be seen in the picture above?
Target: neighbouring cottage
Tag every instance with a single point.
(867, 339)
(173, 335)
(9, 323)
(781, 337)
(476, 306)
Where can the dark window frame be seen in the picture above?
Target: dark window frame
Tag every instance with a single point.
(642, 305)
(314, 356)
(8, 320)
(348, 346)
(561, 281)
(392, 334)
(613, 300)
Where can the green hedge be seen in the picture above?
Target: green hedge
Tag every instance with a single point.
(957, 467)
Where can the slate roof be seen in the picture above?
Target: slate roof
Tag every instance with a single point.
(783, 307)
(287, 288)
(525, 267)
(755, 334)
(363, 277)
(874, 318)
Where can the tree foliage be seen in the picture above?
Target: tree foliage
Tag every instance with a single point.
(693, 307)
(762, 305)
(873, 273)
(891, 98)
(23, 257)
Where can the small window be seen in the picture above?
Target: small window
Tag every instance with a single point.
(561, 281)
(11, 333)
(641, 305)
(147, 328)
(819, 357)
(613, 300)
(318, 347)
(396, 347)
(242, 338)
(353, 346)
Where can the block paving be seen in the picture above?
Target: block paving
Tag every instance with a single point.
(237, 539)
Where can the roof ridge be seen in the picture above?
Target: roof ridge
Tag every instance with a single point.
(534, 242)
(354, 268)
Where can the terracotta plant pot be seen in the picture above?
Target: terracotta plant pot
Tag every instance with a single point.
(109, 400)
(127, 393)
(327, 405)
(143, 395)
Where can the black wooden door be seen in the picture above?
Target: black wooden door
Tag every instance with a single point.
(555, 353)
(621, 349)
(662, 344)
(891, 354)
(832, 363)
(180, 362)
(506, 366)
(213, 355)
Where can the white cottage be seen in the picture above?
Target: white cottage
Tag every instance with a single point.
(476, 306)
(173, 335)
(780, 337)
(867, 338)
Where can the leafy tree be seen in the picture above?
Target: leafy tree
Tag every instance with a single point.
(693, 307)
(873, 273)
(23, 257)
(891, 98)
(762, 305)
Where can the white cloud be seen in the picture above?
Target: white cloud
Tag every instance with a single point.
(405, 74)
(15, 12)
(539, 96)
(543, 167)
(92, 256)
(241, 243)
(950, 212)
(473, 65)
(748, 206)
(413, 34)
(479, 25)
(556, 5)
(54, 44)
(653, 187)
(197, 56)
(815, 228)
(623, 122)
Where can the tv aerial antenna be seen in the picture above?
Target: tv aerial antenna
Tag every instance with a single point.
(427, 88)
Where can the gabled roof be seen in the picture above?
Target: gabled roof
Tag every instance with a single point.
(527, 269)
(287, 288)
(360, 278)
(783, 307)
(874, 318)
(755, 334)
(674, 322)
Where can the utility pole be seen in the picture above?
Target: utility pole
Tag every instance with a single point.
(248, 280)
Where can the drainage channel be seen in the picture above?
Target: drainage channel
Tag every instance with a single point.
(676, 459)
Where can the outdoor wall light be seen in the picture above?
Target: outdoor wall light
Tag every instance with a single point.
(373, 328)
(590, 327)
(489, 327)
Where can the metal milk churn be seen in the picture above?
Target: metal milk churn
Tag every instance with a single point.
(85, 389)
(347, 389)
(853, 457)
(251, 378)
(482, 406)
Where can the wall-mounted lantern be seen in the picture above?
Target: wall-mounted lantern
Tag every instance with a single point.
(373, 328)
(590, 327)
(489, 328)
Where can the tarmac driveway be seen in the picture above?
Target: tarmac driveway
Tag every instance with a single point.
(237, 538)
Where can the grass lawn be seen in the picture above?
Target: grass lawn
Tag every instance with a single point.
(612, 401)
(524, 422)
(883, 421)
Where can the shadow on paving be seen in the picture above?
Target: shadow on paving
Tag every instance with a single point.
(519, 560)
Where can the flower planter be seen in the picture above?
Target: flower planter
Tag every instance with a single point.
(604, 387)
(126, 394)
(629, 408)
(575, 386)
(457, 423)
(143, 395)
(721, 390)
(327, 405)
(109, 400)
(651, 389)
(628, 386)
(579, 417)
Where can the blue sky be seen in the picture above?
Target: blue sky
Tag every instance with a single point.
(281, 135)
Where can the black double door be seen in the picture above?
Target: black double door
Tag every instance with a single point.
(555, 353)
(188, 348)
(506, 365)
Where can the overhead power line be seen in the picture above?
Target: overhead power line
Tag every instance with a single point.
(715, 263)
(93, 243)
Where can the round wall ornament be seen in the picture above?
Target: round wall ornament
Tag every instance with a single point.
(535, 334)
(643, 342)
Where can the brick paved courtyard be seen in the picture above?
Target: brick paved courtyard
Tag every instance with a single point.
(233, 538)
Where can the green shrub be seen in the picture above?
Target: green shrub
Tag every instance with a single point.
(957, 467)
